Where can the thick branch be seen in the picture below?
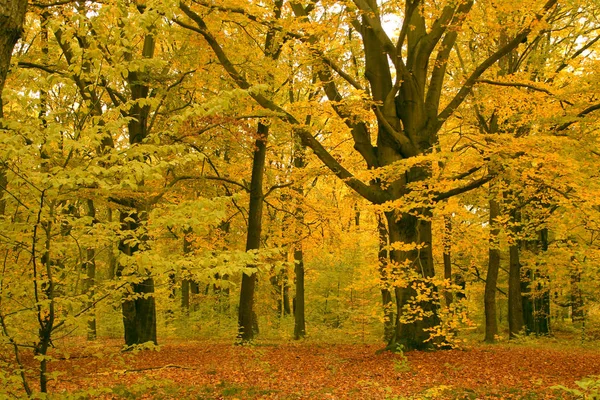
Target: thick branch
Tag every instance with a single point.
(375, 24)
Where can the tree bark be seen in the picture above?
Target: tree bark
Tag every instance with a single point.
(543, 298)
(185, 281)
(447, 257)
(515, 298)
(577, 303)
(90, 281)
(414, 318)
(138, 306)
(12, 18)
(299, 300)
(386, 294)
(491, 280)
(139, 312)
(299, 319)
(247, 323)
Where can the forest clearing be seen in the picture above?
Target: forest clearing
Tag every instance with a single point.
(287, 199)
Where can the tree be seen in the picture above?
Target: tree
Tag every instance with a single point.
(408, 119)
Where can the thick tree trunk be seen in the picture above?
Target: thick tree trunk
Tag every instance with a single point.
(12, 18)
(247, 322)
(414, 319)
(491, 280)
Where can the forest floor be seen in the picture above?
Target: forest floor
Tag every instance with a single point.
(209, 370)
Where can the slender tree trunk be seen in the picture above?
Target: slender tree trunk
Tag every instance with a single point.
(491, 323)
(90, 281)
(543, 290)
(299, 320)
(185, 282)
(247, 322)
(386, 295)
(528, 276)
(112, 259)
(577, 304)
(281, 290)
(447, 258)
(185, 294)
(527, 296)
(515, 298)
(285, 297)
(299, 301)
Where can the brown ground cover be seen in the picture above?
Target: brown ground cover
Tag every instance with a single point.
(208, 370)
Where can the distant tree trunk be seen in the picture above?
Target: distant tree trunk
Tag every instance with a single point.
(577, 305)
(386, 295)
(247, 322)
(536, 297)
(543, 298)
(224, 226)
(527, 296)
(185, 282)
(112, 259)
(515, 301)
(90, 281)
(185, 294)
(194, 288)
(447, 258)
(281, 289)
(515, 298)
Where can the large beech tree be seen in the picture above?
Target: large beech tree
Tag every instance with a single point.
(405, 84)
